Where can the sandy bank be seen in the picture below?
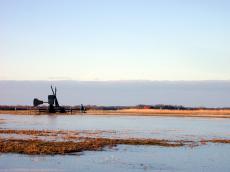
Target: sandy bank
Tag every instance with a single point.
(160, 112)
(137, 112)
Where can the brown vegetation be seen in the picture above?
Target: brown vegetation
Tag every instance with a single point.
(74, 143)
(45, 147)
(52, 135)
(219, 141)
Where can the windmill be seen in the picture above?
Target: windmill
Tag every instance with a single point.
(52, 101)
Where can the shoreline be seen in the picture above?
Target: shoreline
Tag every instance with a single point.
(134, 112)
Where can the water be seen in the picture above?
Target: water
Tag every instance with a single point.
(212, 158)
(125, 158)
(127, 126)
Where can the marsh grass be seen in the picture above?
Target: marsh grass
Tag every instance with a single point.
(73, 143)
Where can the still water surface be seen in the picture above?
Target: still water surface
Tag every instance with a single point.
(131, 126)
(210, 158)
(124, 158)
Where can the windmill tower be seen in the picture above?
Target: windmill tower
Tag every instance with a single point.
(52, 101)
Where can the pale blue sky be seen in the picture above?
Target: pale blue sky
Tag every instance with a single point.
(115, 39)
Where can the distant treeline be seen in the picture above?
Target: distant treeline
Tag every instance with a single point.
(5, 107)
(94, 107)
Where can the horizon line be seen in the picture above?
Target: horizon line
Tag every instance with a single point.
(138, 80)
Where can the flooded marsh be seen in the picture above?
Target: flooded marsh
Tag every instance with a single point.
(113, 143)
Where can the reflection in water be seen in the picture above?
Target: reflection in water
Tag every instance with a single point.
(212, 158)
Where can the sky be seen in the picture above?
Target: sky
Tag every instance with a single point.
(101, 40)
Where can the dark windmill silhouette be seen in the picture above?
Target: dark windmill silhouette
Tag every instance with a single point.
(52, 101)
